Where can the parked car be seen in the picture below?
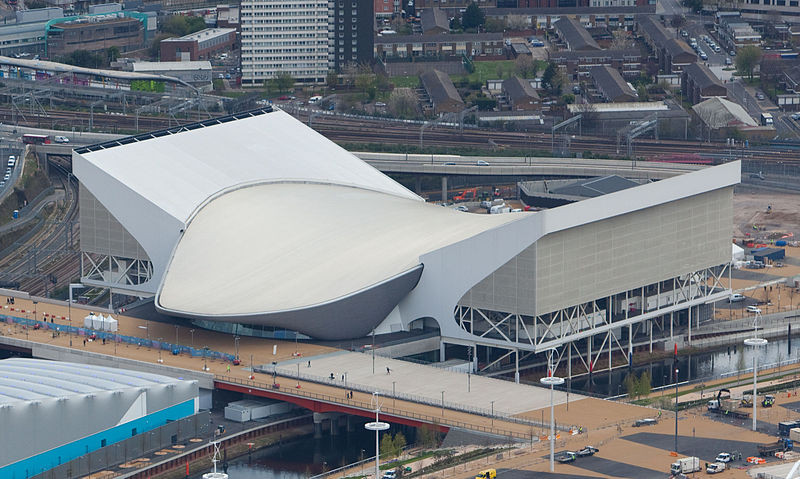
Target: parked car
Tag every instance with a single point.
(732, 53)
(753, 309)
(759, 95)
(723, 457)
(380, 104)
(565, 457)
(645, 422)
(587, 451)
(736, 297)
(795, 116)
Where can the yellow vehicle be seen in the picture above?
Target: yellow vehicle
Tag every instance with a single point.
(487, 474)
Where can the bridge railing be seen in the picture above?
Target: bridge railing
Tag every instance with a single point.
(386, 410)
(428, 401)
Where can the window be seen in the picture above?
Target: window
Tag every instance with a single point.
(133, 432)
(103, 443)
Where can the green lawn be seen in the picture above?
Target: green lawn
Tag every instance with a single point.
(489, 70)
(405, 81)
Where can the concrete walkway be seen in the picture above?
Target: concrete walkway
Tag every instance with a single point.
(421, 382)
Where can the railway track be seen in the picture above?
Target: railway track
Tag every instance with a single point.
(47, 246)
(352, 130)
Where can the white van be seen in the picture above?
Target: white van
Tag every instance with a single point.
(314, 99)
(12, 160)
(736, 297)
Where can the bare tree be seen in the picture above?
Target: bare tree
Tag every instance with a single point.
(620, 40)
(525, 66)
(403, 103)
(677, 21)
(517, 22)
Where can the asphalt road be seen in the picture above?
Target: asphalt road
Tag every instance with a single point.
(517, 474)
(701, 447)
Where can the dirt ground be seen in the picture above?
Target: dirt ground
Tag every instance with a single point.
(750, 208)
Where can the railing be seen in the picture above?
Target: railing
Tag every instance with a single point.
(391, 411)
(369, 389)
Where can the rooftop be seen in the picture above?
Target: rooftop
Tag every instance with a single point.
(202, 35)
(702, 75)
(576, 37)
(435, 18)
(593, 187)
(720, 113)
(439, 87)
(170, 66)
(518, 88)
(610, 83)
(442, 38)
(623, 106)
(23, 379)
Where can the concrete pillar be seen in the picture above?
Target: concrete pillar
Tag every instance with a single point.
(441, 351)
(516, 366)
(335, 425)
(690, 325)
(444, 189)
(318, 418)
(418, 185)
(351, 424)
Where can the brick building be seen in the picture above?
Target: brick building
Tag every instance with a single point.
(699, 83)
(578, 64)
(470, 44)
(201, 45)
(95, 34)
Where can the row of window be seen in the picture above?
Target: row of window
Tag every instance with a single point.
(284, 44)
(341, 35)
(281, 55)
(262, 5)
(266, 69)
(319, 29)
(354, 19)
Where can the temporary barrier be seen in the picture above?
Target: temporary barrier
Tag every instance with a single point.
(111, 336)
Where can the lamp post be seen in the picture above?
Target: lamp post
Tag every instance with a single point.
(148, 334)
(676, 409)
(236, 345)
(69, 307)
(160, 360)
(551, 381)
(376, 426)
(756, 343)
(192, 333)
(176, 334)
(492, 414)
(205, 358)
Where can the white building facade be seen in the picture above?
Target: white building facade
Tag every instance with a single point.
(284, 36)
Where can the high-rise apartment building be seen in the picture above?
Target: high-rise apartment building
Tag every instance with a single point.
(350, 32)
(284, 36)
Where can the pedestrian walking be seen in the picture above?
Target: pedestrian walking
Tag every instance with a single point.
(309, 364)
(388, 371)
(229, 368)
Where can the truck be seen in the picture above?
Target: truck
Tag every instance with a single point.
(470, 194)
(726, 406)
(769, 449)
(766, 119)
(715, 467)
(685, 465)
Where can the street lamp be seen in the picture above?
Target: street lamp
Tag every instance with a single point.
(148, 334)
(176, 334)
(159, 350)
(69, 307)
(205, 358)
(551, 381)
(756, 343)
(192, 332)
(676, 409)
(376, 426)
(236, 345)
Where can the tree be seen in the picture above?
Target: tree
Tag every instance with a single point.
(495, 25)
(525, 66)
(677, 21)
(365, 81)
(387, 446)
(552, 79)
(112, 53)
(746, 60)
(641, 91)
(517, 22)
(473, 17)
(331, 79)
(645, 384)
(155, 47)
(403, 103)
(181, 25)
(83, 58)
(630, 385)
(399, 442)
(620, 40)
(281, 81)
(455, 24)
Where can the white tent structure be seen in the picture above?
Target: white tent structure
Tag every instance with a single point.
(737, 253)
(100, 322)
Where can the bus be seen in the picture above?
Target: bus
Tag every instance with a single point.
(35, 139)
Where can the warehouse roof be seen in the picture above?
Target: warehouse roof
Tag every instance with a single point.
(720, 113)
(576, 37)
(23, 379)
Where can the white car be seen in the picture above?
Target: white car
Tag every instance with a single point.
(723, 457)
(61, 139)
(481, 163)
(753, 309)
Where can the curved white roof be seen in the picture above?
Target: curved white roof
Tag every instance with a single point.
(284, 246)
(24, 379)
(179, 172)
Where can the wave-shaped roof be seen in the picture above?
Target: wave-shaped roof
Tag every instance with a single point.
(283, 246)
